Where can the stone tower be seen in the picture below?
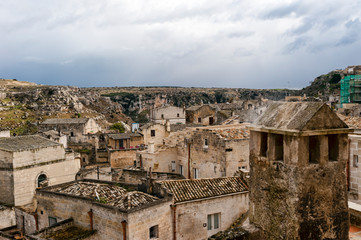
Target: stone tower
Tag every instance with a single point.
(298, 156)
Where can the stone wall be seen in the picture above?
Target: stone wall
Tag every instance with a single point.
(106, 219)
(355, 166)
(173, 114)
(160, 133)
(130, 176)
(7, 217)
(192, 217)
(25, 221)
(293, 197)
(122, 158)
(139, 222)
(52, 162)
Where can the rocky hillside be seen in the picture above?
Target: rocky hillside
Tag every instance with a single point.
(137, 100)
(22, 107)
(324, 85)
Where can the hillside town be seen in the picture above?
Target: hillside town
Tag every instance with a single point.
(80, 163)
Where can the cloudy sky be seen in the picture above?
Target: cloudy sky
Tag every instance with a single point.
(213, 43)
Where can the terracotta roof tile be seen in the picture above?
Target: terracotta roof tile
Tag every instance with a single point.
(108, 194)
(186, 190)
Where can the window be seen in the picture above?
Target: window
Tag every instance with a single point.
(213, 221)
(211, 120)
(153, 232)
(229, 149)
(83, 160)
(177, 114)
(162, 116)
(52, 221)
(199, 120)
(278, 147)
(152, 133)
(173, 166)
(206, 142)
(42, 180)
(264, 144)
(355, 160)
(333, 147)
(314, 149)
(181, 169)
(196, 173)
(71, 134)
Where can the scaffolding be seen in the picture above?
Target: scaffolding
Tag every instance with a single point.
(350, 89)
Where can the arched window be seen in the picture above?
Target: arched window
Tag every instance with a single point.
(42, 180)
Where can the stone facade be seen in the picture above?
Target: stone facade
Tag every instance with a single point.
(7, 217)
(213, 151)
(172, 114)
(192, 217)
(75, 128)
(108, 221)
(203, 114)
(354, 166)
(122, 158)
(25, 160)
(155, 133)
(298, 155)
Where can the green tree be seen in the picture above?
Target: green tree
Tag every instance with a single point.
(118, 127)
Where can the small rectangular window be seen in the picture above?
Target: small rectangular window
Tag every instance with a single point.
(355, 160)
(333, 147)
(314, 149)
(199, 120)
(152, 133)
(181, 169)
(153, 232)
(206, 142)
(278, 147)
(196, 173)
(264, 144)
(213, 221)
(216, 221)
(177, 114)
(173, 166)
(52, 221)
(229, 149)
(209, 222)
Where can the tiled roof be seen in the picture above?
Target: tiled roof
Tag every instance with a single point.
(22, 143)
(186, 190)
(232, 133)
(116, 136)
(108, 194)
(352, 122)
(196, 107)
(65, 121)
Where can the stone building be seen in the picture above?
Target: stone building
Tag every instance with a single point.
(74, 128)
(56, 136)
(203, 207)
(122, 148)
(298, 156)
(202, 152)
(108, 208)
(179, 209)
(201, 114)
(29, 162)
(172, 114)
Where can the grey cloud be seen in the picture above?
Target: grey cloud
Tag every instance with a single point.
(240, 34)
(284, 11)
(352, 33)
(297, 44)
